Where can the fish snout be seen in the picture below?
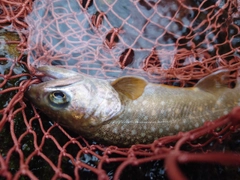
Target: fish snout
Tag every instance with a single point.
(33, 93)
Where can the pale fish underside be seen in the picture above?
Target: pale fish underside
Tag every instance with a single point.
(130, 110)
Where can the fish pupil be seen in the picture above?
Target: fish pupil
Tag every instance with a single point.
(58, 98)
(59, 95)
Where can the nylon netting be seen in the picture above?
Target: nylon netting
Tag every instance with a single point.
(176, 42)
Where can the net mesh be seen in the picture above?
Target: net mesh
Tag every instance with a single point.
(174, 42)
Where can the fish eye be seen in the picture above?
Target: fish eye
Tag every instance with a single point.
(58, 98)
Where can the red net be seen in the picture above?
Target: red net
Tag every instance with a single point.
(175, 42)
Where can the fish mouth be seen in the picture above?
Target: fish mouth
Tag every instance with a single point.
(33, 93)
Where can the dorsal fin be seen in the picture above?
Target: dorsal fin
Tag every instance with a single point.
(132, 87)
(214, 81)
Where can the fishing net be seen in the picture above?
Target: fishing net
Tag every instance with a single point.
(174, 42)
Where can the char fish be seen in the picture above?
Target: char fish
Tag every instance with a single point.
(130, 110)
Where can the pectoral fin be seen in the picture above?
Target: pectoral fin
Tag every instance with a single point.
(214, 81)
(132, 87)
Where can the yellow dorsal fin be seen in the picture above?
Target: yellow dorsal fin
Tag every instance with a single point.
(214, 81)
(132, 87)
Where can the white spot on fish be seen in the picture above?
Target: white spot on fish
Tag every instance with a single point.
(134, 132)
(203, 120)
(149, 137)
(184, 121)
(196, 125)
(144, 102)
(161, 130)
(145, 118)
(225, 112)
(167, 128)
(127, 121)
(129, 109)
(115, 130)
(144, 127)
(143, 134)
(162, 103)
(177, 111)
(153, 129)
(136, 120)
(153, 112)
(219, 102)
(176, 126)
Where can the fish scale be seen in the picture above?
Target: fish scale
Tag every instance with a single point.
(130, 110)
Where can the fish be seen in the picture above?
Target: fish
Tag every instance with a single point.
(130, 110)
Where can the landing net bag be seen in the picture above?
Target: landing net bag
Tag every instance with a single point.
(176, 42)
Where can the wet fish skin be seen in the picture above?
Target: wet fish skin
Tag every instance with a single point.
(130, 110)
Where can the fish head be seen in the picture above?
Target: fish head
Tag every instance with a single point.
(80, 103)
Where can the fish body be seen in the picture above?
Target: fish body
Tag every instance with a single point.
(130, 110)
